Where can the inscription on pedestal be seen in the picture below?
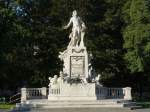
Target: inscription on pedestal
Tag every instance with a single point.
(77, 66)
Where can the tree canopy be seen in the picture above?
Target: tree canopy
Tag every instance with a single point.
(31, 37)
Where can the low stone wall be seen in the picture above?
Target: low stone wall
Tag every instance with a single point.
(33, 93)
(76, 92)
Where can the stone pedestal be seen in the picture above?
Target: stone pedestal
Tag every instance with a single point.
(73, 85)
(23, 94)
(127, 93)
(44, 92)
(75, 62)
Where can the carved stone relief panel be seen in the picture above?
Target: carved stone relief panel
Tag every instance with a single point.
(77, 66)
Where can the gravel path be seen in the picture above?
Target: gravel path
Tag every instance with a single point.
(85, 110)
(1, 110)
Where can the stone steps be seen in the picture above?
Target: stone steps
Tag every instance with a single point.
(75, 104)
(80, 106)
(84, 105)
(103, 100)
(72, 102)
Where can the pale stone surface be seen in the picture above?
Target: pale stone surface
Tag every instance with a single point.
(127, 93)
(98, 79)
(74, 92)
(78, 30)
(44, 92)
(60, 79)
(23, 94)
(47, 104)
(75, 62)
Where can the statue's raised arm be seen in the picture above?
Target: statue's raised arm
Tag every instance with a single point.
(78, 30)
(69, 24)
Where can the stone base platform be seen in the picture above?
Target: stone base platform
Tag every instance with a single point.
(44, 103)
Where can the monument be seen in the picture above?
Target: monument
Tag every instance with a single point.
(77, 85)
(73, 82)
(78, 80)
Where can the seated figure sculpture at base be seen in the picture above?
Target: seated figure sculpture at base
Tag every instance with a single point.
(53, 82)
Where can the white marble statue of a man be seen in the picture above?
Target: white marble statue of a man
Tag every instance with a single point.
(78, 30)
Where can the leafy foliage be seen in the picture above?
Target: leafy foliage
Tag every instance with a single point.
(32, 36)
(137, 36)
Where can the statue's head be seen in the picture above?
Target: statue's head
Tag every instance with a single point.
(74, 13)
(55, 76)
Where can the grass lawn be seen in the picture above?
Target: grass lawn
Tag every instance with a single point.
(6, 106)
(144, 104)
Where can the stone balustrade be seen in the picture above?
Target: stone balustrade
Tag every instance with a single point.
(109, 93)
(101, 93)
(115, 93)
(54, 91)
(33, 93)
